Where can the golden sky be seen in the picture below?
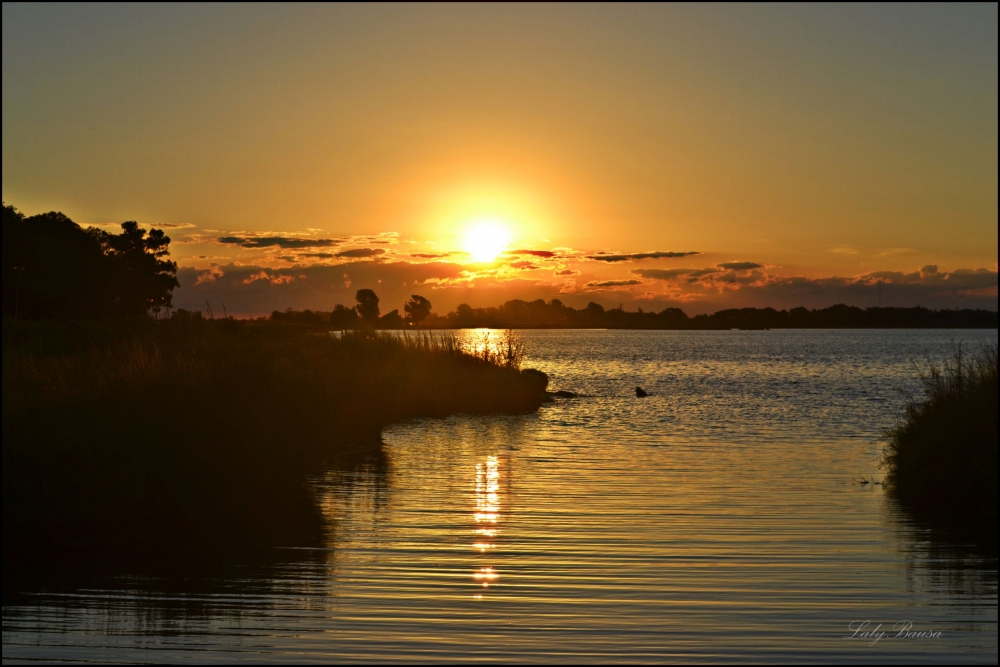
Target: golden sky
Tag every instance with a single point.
(756, 155)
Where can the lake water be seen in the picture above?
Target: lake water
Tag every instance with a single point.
(719, 518)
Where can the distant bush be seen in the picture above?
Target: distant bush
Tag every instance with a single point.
(941, 458)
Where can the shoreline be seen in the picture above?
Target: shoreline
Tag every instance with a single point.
(200, 439)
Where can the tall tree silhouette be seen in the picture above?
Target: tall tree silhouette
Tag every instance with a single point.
(53, 268)
(143, 279)
(417, 308)
(367, 306)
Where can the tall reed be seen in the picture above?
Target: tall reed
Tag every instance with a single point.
(941, 456)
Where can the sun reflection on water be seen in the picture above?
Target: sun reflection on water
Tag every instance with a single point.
(487, 517)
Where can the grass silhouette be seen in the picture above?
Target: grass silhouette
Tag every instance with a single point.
(199, 436)
(941, 457)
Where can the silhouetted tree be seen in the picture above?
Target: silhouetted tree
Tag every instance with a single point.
(417, 309)
(53, 268)
(367, 306)
(142, 278)
(464, 315)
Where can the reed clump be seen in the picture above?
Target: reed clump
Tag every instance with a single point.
(941, 457)
(201, 435)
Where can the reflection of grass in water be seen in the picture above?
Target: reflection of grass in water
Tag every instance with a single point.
(192, 442)
(941, 458)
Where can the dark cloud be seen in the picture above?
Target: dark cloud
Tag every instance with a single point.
(432, 255)
(173, 225)
(566, 272)
(360, 252)
(525, 264)
(614, 283)
(277, 241)
(535, 253)
(673, 274)
(962, 288)
(739, 266)
(659, 254)
(662, 274)
(317, 255)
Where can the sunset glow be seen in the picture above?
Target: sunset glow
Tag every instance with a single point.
(500, 332)
(761, 157)
(485, 240)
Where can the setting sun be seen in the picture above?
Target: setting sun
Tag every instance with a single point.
(486, 240)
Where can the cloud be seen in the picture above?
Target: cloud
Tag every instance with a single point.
(739, 266)
(360, 252)
(380, 238)
(614, 283)
(609, 257)
(662, 274)
(172, 225)
(286, 242)
(536, 253)
(524, 264)
(209, 275)
(673, 274)
(566, 272)
(434, 255)
(271, 277)
(251, 290)
(144, 225)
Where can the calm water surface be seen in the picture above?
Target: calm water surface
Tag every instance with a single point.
(717, 519)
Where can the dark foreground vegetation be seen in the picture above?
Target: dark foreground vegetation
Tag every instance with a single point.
(518, 314)
(55, 269)
(195, 439)
(941, 458)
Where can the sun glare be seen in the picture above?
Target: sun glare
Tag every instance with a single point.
(486, 240)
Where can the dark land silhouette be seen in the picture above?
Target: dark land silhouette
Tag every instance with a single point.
(539, 314)
(200, 434)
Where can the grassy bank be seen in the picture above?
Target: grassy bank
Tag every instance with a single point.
(198, 436)
(941, 458)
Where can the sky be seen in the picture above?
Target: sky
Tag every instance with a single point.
(693, 156)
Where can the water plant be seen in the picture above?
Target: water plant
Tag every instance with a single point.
(941, 456)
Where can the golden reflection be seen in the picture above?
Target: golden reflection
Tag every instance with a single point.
(487, 517)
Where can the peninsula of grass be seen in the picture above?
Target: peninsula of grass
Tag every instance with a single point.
(197, 438)
(941, 458)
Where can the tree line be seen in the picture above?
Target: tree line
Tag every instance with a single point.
(55, 269)
(554, 314)
(365, 314)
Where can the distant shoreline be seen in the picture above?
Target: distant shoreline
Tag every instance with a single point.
(538, 314)
(572, 328)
